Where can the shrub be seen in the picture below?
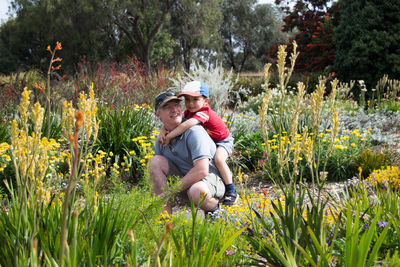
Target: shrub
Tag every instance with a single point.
(118, 133)
(119, 85)
(369, 160)
(219, 82)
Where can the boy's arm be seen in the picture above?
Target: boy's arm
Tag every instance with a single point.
(161, 136)
(180, 129)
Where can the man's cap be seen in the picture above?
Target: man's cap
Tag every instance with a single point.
(164, 98)
(195, 88)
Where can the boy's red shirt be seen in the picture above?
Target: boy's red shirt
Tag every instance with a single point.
(210, 120)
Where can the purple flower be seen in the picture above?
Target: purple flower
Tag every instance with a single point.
(229, 252)
(329, 239)
(382, 224)
(364, 228)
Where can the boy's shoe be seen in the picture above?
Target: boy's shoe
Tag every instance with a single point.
(230, 198)
(214, 214)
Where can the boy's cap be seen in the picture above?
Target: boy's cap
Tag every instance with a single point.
(164, 98)
(195, 88)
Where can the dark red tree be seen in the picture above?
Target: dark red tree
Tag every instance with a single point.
(313, 23)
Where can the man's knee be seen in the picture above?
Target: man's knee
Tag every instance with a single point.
(198, 191)
(158, 164)
(158, 173)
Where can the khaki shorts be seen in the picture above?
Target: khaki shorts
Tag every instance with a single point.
(213, 181)
(215, 184)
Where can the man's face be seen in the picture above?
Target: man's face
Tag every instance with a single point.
(170, 114)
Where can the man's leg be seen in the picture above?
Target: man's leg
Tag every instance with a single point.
(197, 190)
(158, 177)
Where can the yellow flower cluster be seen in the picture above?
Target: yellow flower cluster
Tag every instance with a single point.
(146, 147)
(34, 157)
(243, 213)
(137, 107)
(89, 108)
(386, 177)
(4, 157)
(95, 167)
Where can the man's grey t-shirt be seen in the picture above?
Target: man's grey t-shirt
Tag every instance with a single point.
(188, 147)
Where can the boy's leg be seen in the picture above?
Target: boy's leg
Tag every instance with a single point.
(220, 161)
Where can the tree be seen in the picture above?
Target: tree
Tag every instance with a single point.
(248, 31)
(312, 23)
(140, 21)
(267, 30)
(39, 23)
(194, 26)
(367, 40)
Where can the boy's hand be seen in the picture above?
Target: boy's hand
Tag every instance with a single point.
(166, 140)
(161, 136)
(161, 139)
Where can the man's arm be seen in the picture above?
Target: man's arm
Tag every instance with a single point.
(198, 172)
(180, 130)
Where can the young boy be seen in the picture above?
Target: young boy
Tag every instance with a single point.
(198, 111)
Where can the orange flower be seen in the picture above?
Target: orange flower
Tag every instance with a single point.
(48, 48)
(79, 120)
(265, 192)
(71, 138)
(57, 59)
(40, 87)
(168, 227)
(56, 68)
(58, 46)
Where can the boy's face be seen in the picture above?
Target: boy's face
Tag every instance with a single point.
(194, 103)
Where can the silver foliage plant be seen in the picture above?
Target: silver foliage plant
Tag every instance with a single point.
(219, 82)
(384, 125)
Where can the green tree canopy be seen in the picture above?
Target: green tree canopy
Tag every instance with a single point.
(39, 23)
(194, 27)
(367, 40)
(248, 31)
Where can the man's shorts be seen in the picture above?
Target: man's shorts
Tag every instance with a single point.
(214, 183)
(227, 143)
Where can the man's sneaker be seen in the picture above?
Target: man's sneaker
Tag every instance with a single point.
(230, 198)
(214, 214)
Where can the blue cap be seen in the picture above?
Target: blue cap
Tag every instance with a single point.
(195, 88)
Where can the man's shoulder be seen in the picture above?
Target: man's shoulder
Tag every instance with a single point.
(196, 132)
(195, 128)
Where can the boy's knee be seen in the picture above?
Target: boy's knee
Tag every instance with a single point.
(218, 160)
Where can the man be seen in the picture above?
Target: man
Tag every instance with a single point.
(189, 155)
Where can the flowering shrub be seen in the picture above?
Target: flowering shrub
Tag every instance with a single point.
(386, 177)
(123, 132)
(119, 84)
(4, 157)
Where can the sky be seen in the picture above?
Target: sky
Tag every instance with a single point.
(3, 10)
